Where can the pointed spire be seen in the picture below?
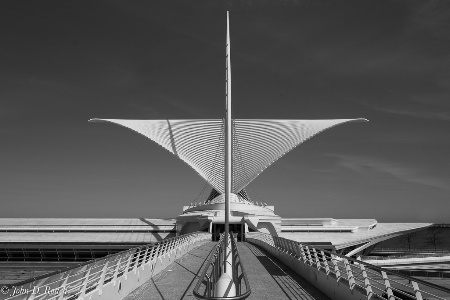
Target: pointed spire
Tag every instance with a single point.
(228, 150)
(228, 65)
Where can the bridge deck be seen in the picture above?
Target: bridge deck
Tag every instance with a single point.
(269, 278)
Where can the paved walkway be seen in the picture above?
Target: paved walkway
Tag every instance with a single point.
(178, 280)
(268, 278)
(271, 279)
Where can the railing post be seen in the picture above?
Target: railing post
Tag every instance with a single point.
(151, 254)
(157, 250)
(62, 288)
(291, 246)
(136, 261)
(275, 242)
(285, 245)
(130, 257)
(302, 253)
(167, 247)
(281, 244)
(144, 258)
(116, 271)
(102, 278)
(296, 250)
(178, 243)
(316, 258)
(336, 268)
(271, 240)
(351, 279)
(387, 284)
(308, 254)
(36, 287)
(416, 290)
(366, 282)
(163, 248)
(170, 246)
(325, 262)
(85, 283)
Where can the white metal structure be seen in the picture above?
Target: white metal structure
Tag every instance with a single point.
(257, 143)
(244, 147)
(227, 263)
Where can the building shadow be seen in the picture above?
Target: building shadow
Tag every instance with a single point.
(293, 285)
(155, 233)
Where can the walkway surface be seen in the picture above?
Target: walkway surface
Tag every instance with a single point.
(268, 277)
(178, 280)
(271, 279)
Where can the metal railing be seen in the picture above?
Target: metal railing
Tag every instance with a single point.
(77, 282)
(369, 280)
(434, 274)
(412, 250)
(248, 202)
(205, 288)
(430, 255)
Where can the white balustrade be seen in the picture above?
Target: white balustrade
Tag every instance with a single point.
(370, 281)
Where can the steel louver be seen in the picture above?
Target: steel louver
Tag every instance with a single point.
(256, 143)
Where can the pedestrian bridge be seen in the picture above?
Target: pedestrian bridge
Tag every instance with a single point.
(177, 268)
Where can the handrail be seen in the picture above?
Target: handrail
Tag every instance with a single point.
(78, 281)
(107, 257)
(434, 255)
(413, 250)
(247, 202)
(213, 270)
(370, 280)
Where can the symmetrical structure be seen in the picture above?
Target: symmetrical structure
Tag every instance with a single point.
(255, 144)
(228, 154)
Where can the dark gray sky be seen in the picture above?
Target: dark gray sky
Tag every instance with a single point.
(64, 62)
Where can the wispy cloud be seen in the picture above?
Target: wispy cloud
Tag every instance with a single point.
(365, 164)
(431, 17)
(434, 115)
(412, 137)
(431, 105)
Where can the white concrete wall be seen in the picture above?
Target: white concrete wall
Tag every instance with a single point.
(326, 283)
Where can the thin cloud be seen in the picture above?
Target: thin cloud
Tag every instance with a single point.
(405, 137)
(431, 17)
(443, 116)
(365, 164)
(430, 105)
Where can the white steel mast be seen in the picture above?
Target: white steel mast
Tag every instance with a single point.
(225, 287)
(228, 141)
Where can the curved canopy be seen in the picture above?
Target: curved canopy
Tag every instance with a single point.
(256, 143)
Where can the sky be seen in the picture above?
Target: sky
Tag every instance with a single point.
(65, 62)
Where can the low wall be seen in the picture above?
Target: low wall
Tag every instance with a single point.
(134, 279)
(336, 290)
